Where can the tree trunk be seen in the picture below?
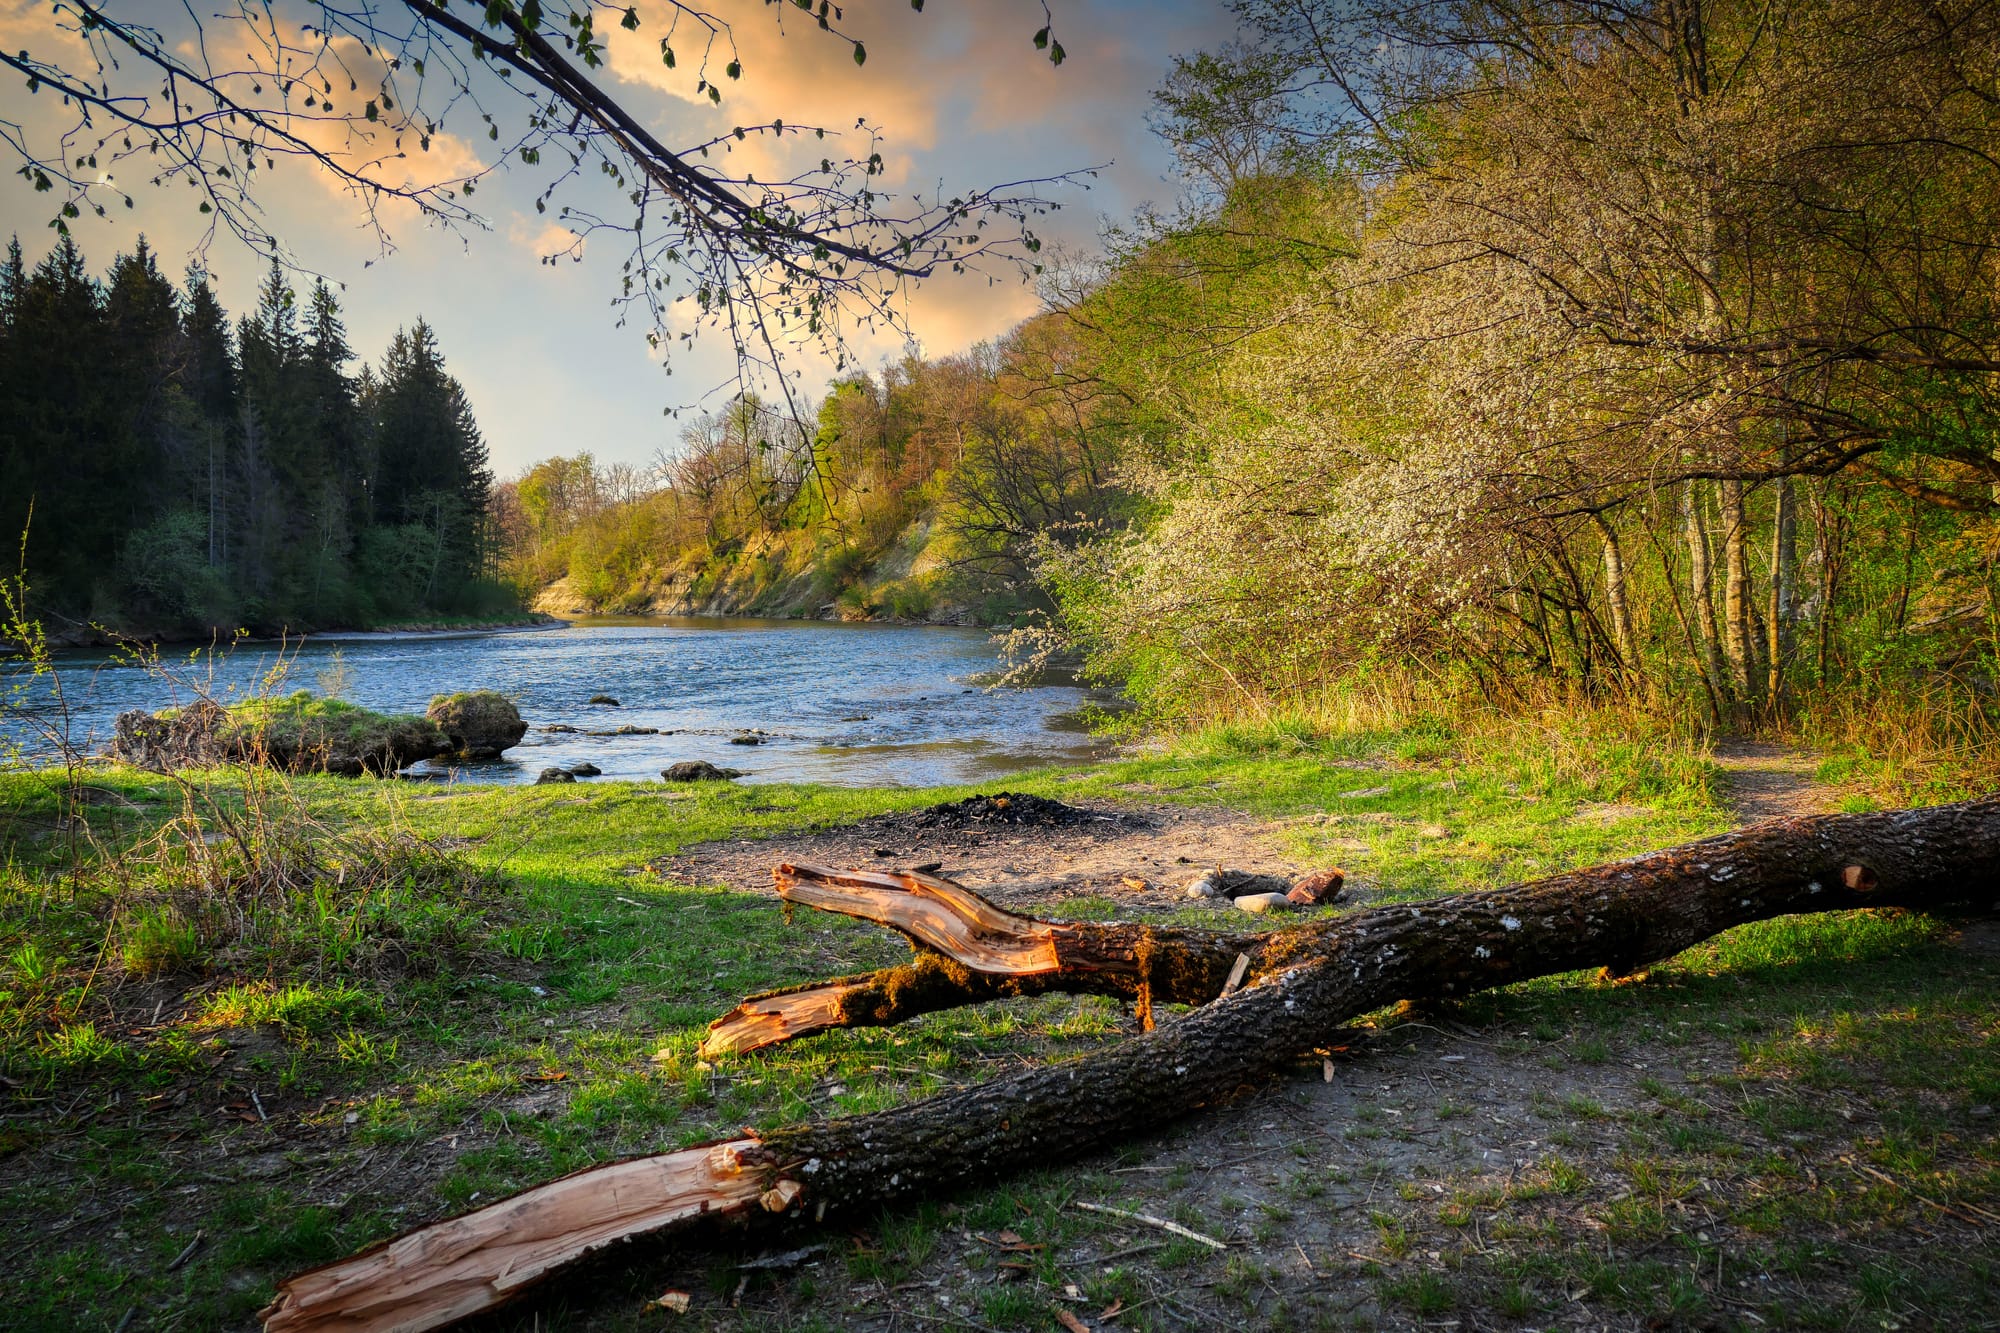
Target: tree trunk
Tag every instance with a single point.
(1784, 593)
(1701, 578)
(1306, 981)
(1737, 635)
(1617, 598)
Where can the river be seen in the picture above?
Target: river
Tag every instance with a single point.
(847, 704)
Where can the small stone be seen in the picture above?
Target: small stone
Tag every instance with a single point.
(1259, 903)
(585, 769)
(1204, 886)
(559, 728)
(554, 775)
(604, 699)
(746, 738)
(1981, 1111)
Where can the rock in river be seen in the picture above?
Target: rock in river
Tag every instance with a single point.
(586, 769)
(479, 723)
(296, 732)
(604, 699)
(555, 775)
(698, 770)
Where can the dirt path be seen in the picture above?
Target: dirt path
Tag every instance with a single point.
(1770, 781)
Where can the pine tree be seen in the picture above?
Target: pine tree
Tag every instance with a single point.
(56, 459)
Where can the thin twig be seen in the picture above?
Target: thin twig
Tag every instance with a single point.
(1151, 1221)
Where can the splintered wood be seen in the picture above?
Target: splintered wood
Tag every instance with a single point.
(766, 1020)
(443, 1273)
(936, 912)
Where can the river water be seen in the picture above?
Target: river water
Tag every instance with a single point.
(848, 704)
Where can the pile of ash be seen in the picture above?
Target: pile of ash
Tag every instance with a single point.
(1015, 809)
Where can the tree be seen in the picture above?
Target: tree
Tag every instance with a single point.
(184, 479)
(360, 90)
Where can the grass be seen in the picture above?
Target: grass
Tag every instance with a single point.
(528, 992)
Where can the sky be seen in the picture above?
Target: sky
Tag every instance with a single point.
(959, 93)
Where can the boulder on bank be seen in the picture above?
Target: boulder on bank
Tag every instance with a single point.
(298, 733)
(699, 770)
(478, 723)
(554, 775)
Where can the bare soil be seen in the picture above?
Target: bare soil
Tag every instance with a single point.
(1139, 857)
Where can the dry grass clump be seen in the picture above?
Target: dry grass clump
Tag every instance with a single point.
(245, 877)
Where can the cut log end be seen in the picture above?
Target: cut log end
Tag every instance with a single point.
(442, 1273)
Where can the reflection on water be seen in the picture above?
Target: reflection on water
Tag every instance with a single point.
(855, 705)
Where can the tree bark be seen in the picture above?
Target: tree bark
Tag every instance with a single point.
(1701, 579)
(1737, 634)
(1619, 916)
(1617, 599)
(1784, 592)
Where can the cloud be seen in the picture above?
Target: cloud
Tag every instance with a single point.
(286, 73)
(959, 93)
(544, 239)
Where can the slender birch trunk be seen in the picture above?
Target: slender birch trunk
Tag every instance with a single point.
(1737, 635)
(1618, 598)
(1784, 592)
(1701, 576)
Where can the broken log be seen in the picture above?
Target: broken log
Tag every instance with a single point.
(1621, 916)
(970, 951)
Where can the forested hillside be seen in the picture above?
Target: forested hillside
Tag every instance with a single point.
(928, 490)
(175, 473)
(1639, 355)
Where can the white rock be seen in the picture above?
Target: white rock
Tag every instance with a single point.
(1204, 886)
(1259, 903)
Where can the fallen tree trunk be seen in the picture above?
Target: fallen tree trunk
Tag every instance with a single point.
(1620, 916)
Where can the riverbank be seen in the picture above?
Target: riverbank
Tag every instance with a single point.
(73, 636)
(1790, 1106)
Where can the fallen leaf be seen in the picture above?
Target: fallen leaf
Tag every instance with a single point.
(546, 1076)
(1008, 1238)
(1112, 1311)
(1071, 1322)
(675, 1301)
